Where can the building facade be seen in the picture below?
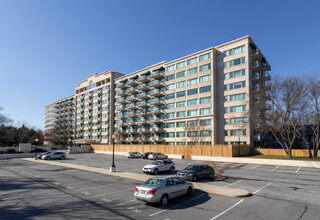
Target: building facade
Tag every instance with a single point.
(202, 98)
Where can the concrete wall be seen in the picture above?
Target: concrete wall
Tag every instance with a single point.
(25, 147)
(9, 156)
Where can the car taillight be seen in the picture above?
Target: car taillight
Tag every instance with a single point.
(136, 189)
(152, 192)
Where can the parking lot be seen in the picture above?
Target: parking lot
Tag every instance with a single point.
(31, 190)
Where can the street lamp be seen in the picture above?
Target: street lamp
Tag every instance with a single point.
(239, 146)
(113, 167)
(35, 150)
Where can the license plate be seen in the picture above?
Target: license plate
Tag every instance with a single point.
(142, 191)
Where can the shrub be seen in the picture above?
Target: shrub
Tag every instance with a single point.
(38, 150)
(10, 151)
(20, 152)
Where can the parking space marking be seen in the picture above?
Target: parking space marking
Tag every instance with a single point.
(254, 167)
(298, 169)
(76, 183)
(177, 205)
(261, 188)
(238, 181)
(88, 188)
(275, 168)
(217, 216)
(112, 192)
(134, 200)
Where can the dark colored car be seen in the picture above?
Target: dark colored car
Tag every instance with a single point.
(145, 155)
(195, 172)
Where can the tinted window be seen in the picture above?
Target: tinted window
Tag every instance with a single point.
(169, 182)
(178, 181)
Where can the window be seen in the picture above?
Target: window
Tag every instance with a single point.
(170, 105)
(237, 97)
(225, 53)
(237, 121)
(205, 122)
(205, 100)
(192, 81)
(192, 71)
(181, 124)
(225, 133)
(181, 143)
(193, 112)
(225, 87)
(205, 111)
(225, 109)
(225, 98)
(170, 143)
(181, 94)
(192, 123)
(181, 104)
(225, 121)
(225, 76)
(170, 77)
(204, 78)
(205, 133)
(180, 74)
(171, 86)
(181, 64)
(170, 134)
(192, 60)
(192, 102)
(237, 50)
(170, 96)
(181, 114)
(170, 115)
(237, 62)
(170, 125)
(169, 68)
(239, 108)
(238, 132)
(205, 89)
(204, 57)
(192, 91)
(237, 73)
(225, 65)
(181, 84)
(181, 134)
(237, 85)
(192, 134)
(205, 67)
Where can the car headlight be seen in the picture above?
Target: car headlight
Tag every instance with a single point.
(190, 174)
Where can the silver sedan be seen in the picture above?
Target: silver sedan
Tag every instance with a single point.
(161, 189)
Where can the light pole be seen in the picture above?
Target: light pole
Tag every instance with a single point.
(35, 150)
(239, 146)
(113, 167)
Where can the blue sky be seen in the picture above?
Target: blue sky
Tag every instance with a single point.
(48, 46)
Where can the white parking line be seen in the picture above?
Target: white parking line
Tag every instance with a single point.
(261, 188)
(88, 188)
(298, 169)
(76, 183)
(127, 202)
(217, 216)
(177, 205)
(254, 167)
(275, 168)
(112, 192)
(238, 181)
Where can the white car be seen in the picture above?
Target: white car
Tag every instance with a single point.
(159, 166)
(133, 155)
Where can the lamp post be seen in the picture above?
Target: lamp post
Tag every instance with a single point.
(239, 146)
(35, 150)
(113, 167)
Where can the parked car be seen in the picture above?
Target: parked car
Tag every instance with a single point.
(133, 155)
(161, 189)
(157, 156)
(146, 155)
(54, 155)
(45, 153)
(195, 172)
(159, 166)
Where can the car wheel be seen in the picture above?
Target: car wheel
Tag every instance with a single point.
(195, 178)
(164, 200)
(211, 175)
(189, 191)
(48, 158)
(172, 169)
(156, 172)
(62, 158)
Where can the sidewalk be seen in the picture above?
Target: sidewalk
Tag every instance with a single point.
(212, 189)
(290, 163)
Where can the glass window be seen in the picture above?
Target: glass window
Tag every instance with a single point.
(192, 91)
(239, 108)
(181, 64)
(237, 61)
(170, 134)
(237, 50)
(225, 109)
(205, 133)
(170, 77)
(193, 102)
(181, 84)
(205, 100)
(180, 74)
(170, 115)
(181, 104)
(181, 143)
(170, 143)
(237, 97)
(192, 71)
(192, 123)
(205, 67)
(170, 96)
(192, 81)
(205, 122)
(170, 125)
(225, 133)
(193, 112)
(226, 98)
(205, 89)
(171, 86)
(237, 120)
(237, 85)
(225, 87)
(225, 76)
(192, 60)
(225, 65)
(181, 114)
(238, 132)
(169, 68)
(237, 73)
(192, 134)
(205, 111)
(170, 105)
(181, 134)
(225, 53)
(181, 94)
(204, 57)
(204, 78)
(225, 121)
(181, 124)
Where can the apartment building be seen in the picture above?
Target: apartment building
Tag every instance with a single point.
(203, 97)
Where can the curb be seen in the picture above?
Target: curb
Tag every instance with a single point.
(212, 189)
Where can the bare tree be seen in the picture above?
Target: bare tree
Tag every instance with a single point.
(61, 134)
(4, 120)
(194, 131)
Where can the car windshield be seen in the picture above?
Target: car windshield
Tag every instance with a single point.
(156, 163)
(192, 167)
(153, 182)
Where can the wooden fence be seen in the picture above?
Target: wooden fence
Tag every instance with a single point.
(186, 150)
(279, 152)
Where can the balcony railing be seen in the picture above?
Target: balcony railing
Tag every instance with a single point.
(157, 83)
(157, 75)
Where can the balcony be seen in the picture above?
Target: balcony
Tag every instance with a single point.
(156, 110)
(143, 95)
(256, 54)
(157, 84)
(132, 98)
(122, 100)
(121, 115)
(121, 108)
(144, 87)
(131, 121)
(157, 92)
(156, 130)
(131, 114)
(121, 123)
(142, 121)
(261, 76)
(121, 85)
(157, 75)
(132, 82)
(132, 106)
(143, 139)
(157, 139)
(144, 79)
(131, 131)
(156, 101)
(122, 93)
(132, 90)
(156, 120)
(144, 113)
(258, 65)
(143, 130)
(143, 104)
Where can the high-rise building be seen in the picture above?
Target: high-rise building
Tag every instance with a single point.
(201, 98)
